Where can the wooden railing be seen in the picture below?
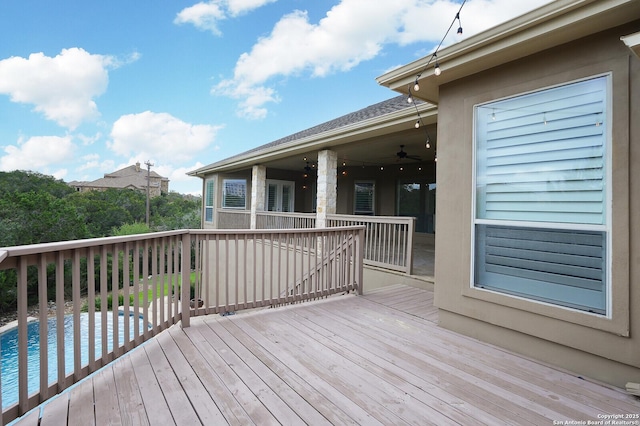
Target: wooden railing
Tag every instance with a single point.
(227, 271)
(246, 269)
(281, 220)
(92, 273)
(233, 219)
(388, 239)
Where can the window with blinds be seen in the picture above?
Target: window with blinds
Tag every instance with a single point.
(364, 198)
(541, 211)
(209, 197)
(234, 193)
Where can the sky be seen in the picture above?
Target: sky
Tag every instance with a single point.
(88, 87)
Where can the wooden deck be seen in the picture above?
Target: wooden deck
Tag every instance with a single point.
(374, 359)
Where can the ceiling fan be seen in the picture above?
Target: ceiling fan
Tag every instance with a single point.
(403, 155)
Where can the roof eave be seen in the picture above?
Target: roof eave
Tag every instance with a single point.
(325, 140)
(560, 22)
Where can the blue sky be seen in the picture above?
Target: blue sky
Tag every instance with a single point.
(88, 87)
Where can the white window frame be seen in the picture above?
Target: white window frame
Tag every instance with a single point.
(373, 198)
(606, 228)
(280, 184)
(224, 193)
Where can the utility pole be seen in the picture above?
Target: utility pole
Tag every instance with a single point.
(149, 164)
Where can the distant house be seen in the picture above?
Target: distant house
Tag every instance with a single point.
(132, 177)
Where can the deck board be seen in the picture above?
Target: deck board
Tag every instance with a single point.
(373, 359)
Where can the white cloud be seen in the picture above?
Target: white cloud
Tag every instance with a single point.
(160, 137)
(206, 15)
(351, 32)
(63, 87)
(37, 153)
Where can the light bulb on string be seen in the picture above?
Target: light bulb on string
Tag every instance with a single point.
(409, 98)
(416, 86)
(417, 125)
(437, 71)
(459, 23)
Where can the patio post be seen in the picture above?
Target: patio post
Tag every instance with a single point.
(326, 187)
(258, 189)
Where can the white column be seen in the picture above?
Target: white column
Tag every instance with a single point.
(327, 186)
(258, 190)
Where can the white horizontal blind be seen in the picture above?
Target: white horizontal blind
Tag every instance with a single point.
(558, 266)
(272, 193)
(208, 200)
(541, 156)
(364, 198)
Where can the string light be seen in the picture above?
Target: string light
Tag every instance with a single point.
(436, 71)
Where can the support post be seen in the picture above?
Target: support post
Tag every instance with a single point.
(327, 186)
(258, 189)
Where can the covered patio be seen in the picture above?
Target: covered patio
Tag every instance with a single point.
(373, 359)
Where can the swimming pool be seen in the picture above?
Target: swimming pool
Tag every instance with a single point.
(9, 351)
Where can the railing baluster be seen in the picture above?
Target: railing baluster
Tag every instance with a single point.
(115, 279)
(23, 373)
(154, 285)
(43, 326)
(125, 296)
(91, 301)
(75, 288)
(103, 303)
(137, 256)
(60, 321)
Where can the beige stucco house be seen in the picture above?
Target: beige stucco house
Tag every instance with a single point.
(131, 177)
(538, 234)
(537, 237)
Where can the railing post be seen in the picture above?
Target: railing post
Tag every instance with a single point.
(185, 289)
(359, 257)
(409, 249)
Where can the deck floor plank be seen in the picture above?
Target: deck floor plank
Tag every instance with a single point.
(281, 369)
(57, 409)
(228, 405)
(81, 404)
(181, 410)
(341, 374)
(304, 411)
(591, 394)
(374, 359)
(199, 399)
(106, 405)
(350, 403)
(469, 365)
(132, 409)
(254, 411)
(155, 405)
(472, 395)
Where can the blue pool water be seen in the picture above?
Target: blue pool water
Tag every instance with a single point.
(9, 351)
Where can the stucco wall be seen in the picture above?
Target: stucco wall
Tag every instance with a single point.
(607, 349)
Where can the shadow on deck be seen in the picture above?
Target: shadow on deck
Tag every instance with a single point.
(373, 359)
